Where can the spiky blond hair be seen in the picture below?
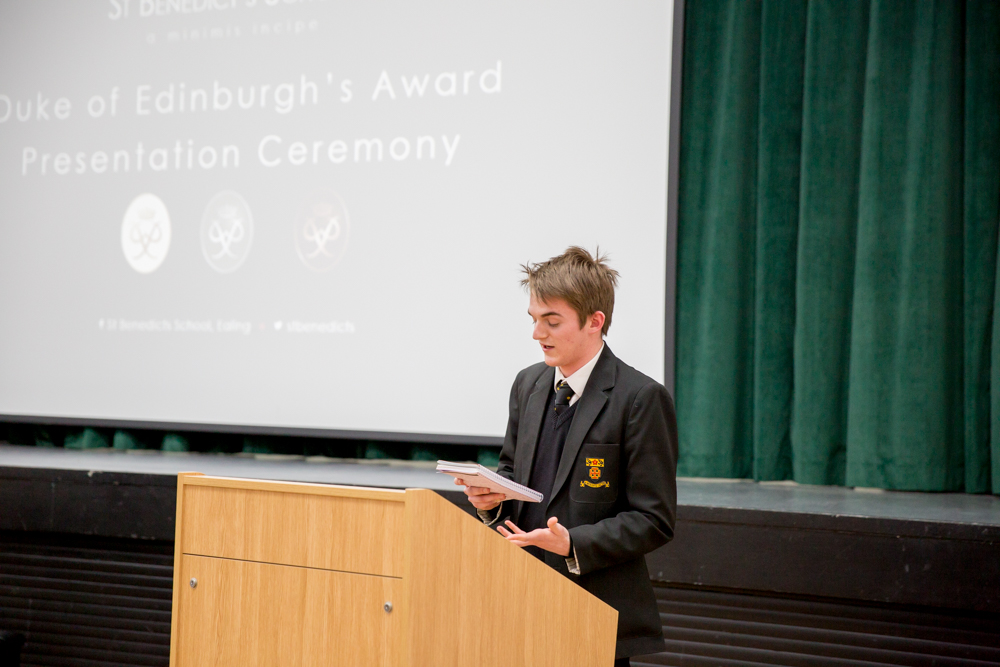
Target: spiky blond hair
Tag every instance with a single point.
(582, 280)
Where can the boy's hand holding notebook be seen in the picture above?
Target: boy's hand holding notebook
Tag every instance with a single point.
(474, 474)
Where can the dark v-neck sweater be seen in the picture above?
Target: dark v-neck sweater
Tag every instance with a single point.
(551, 440)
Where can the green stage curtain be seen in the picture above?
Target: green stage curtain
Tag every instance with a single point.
(837, 312)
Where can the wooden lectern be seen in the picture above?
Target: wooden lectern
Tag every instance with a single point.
(302, 575)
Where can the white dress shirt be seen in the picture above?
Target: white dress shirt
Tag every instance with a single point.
(578, 380)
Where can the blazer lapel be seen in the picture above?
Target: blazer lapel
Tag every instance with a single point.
(587, 409)
(531, 426)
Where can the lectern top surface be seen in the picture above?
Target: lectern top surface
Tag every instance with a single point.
(391, 495)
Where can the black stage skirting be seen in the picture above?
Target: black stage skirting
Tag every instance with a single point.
(757, 573)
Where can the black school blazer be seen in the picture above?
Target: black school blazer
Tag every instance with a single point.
(615, 487)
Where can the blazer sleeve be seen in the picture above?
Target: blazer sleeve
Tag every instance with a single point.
(506, 466)
(649, 449)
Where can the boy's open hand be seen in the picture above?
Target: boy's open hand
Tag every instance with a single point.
(555, 538)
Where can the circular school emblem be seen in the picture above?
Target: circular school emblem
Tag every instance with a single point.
(321, 231)
(146, 233)
(595, 473)
(226, 231)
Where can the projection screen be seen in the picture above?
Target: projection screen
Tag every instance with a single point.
(310, 216)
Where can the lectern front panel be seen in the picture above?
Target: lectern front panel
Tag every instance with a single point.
(282, 574)
(266, 615)
(332, 532)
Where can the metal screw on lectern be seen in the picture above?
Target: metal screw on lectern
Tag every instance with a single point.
(193, 582)
(387, 606)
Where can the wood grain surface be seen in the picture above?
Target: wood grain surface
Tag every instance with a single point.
(479, 600)
(264, 615)
(333, 532)
(182, 479)
(296, 575)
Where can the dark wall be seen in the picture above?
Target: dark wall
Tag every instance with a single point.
(87, 600)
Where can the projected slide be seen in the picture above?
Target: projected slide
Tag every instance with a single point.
(311, 214)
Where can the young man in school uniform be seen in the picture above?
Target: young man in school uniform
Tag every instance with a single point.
(599, 440)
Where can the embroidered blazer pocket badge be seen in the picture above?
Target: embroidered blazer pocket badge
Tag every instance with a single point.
(595, 474)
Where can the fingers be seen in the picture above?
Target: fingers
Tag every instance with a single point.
(520, 543)
(518, 536)
(514, 528)
(480, 491)
(555, 538)
(486, 502)
(480, 496)
(535, 538)
(471, 490)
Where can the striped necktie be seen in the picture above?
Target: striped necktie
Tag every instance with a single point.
(564, 393)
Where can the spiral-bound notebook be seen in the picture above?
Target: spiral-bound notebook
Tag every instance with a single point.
(476, 475)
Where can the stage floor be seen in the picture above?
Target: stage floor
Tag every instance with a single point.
(785, 497)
